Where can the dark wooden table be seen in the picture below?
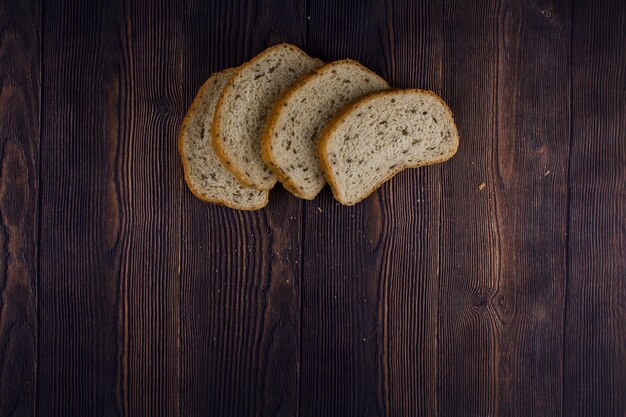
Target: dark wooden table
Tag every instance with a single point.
(123, 295)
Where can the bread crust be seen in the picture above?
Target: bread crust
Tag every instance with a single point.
(195, 104)
(217, 118)
(267, 138)
(334, 123)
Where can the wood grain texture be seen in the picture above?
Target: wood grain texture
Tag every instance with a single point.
(493, 284)
(240, 284)
(503, 275)
(595, 333)
(529, 189)
(81, 213)
(469, 253)
(20, 83)
(150, 187)
(369, 303)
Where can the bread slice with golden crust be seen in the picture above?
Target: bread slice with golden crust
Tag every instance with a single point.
(382, 134)
(289, 143)
(245, 104)
(205, 175)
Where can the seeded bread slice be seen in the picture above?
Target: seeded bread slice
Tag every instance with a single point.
(244, 106)
(382, 134)
(205, 175)
(289, 143)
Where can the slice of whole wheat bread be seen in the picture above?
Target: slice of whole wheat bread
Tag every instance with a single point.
(205, 175)
(380, 135)
(244, 106)
(289, 143)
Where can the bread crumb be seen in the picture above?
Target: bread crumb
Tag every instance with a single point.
(545, 174)
(481, 186)
(320, 210)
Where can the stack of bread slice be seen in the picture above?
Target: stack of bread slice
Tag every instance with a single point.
(289, 117)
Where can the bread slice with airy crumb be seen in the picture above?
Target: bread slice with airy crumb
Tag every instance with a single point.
(205, 175)
(289, 143)
(245, 104)
(382, 134)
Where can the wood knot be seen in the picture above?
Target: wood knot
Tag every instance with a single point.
(480, 301)
(549, 13)
(504, 306)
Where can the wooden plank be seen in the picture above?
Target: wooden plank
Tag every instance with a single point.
(369, 306)
(503, 252)
(110, 260)
(81, 210)
(151, 191)
(595, 336)
(240, 285)
(469, 241)
(20, 83)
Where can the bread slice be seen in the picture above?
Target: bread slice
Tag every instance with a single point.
(380, 135)
(289, 143)
(205, 175)
(244, 106)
